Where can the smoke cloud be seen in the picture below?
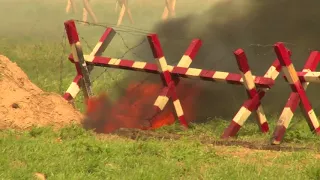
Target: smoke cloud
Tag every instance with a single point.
(253, 25)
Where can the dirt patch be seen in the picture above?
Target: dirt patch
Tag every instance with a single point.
(242, 153)
(249, 155)
(23, 104)
(257, 145)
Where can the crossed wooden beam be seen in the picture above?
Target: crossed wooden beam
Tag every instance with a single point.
(86, 9)
(169, 10)
(124, 10)
(298, 82)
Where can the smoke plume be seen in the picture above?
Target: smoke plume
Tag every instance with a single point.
(253, 25)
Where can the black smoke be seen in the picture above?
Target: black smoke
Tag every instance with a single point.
(253, 25)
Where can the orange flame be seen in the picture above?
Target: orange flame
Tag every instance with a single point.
(130, 111)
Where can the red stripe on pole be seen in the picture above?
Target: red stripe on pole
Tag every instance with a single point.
(126, 63)
(71, 58)
(193, 48)
(293, 102)
(242, 61)
(251, 93)
(156, 47)
(151, 67)
(265, 127)
(279, 133)
(180, 70)
(277, 65)
(312, 61)
(206, 74)
(71, 31)
(253, 103)
(67, 96)
(100, 61)
(231, 131)
(234, 78)
(105, 34)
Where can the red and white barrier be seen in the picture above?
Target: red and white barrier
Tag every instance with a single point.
(256, 86)
(100, 47)
(298, 95)
(169, 74)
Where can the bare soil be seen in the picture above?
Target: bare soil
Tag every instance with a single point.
(136, 134)
(23, 104)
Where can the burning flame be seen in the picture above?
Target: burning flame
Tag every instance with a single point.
(132, 109)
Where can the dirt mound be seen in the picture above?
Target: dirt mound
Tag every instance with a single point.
(23, 104)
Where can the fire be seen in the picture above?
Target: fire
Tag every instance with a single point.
(132, 110)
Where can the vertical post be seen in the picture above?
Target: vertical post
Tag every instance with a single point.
(77, 53)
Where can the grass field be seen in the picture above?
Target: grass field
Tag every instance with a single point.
(33, 36)
(73, 153)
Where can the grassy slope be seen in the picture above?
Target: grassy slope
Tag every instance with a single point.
(33, 37)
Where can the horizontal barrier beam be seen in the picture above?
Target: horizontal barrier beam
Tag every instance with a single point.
(207, 75)
(313, 77)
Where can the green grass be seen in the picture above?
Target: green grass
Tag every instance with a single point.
(73, 153)
(297, 135)
(34, 38)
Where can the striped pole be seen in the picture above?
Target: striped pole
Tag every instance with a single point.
(166, 76)
(250, 87)
(253, 103)
(299, 93)
(308, 76)
(190, 53)
(104, 42)
(206, 75)
(293, 101)
(73, 89)
(78, 57)
(100, 47)
(185, 62)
